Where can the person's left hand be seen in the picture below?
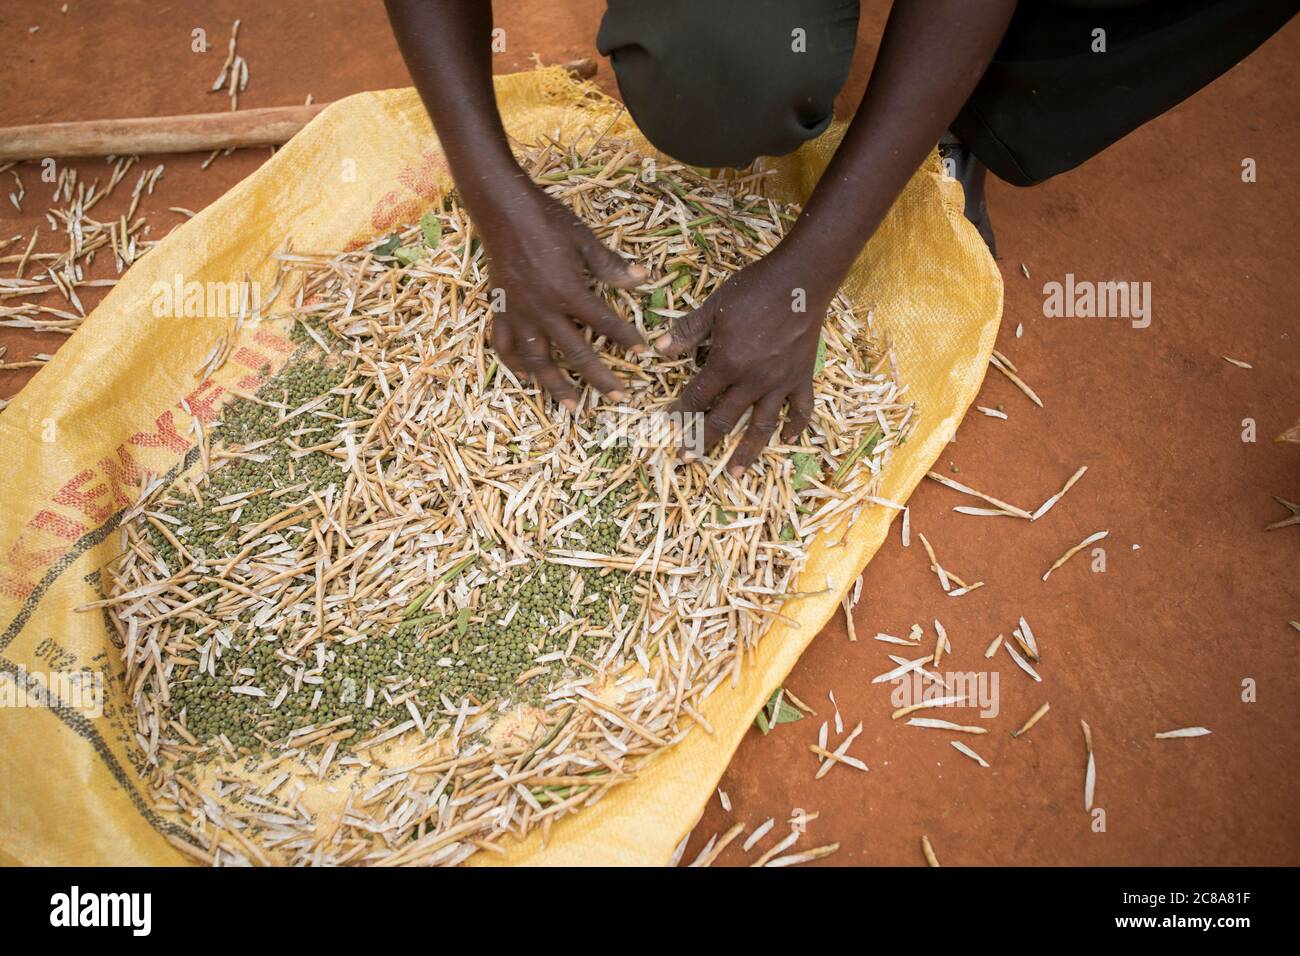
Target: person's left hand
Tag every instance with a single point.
(765, 322)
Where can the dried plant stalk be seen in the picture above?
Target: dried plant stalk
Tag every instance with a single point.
(524, 605)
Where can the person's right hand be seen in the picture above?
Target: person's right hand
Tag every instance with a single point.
(537, 253)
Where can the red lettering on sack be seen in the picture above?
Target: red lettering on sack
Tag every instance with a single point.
(166, 436)
(251, 359)
(21, 558)
(123, 473)
(272, 341)
(15, 587)
(72, 496)
(392, 209)
(58, 525)
(421, 179)
(203, 400)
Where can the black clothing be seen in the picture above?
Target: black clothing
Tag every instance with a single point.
(1048, 102)
(721, 82)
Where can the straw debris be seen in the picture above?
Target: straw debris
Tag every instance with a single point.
(396, 572)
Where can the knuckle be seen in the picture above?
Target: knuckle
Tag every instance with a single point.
(687, 327)
(598, 321)
(728, 363)
(724, 423)
(693, 395)
(577, 351)
(561, 291)
(565, 297)
(591, 367)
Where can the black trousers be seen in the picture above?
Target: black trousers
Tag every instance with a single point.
(721, 82)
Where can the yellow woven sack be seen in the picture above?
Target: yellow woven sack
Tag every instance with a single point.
(109, 409)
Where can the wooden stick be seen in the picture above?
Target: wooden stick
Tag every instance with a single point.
(197, 133)
(201, 132)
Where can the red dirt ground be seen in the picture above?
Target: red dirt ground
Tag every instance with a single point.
(1164, 638)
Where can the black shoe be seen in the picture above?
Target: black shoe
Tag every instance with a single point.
(961, 164)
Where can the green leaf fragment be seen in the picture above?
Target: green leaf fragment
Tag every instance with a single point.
(788, 714)
(702, 243)
(415, 606)
(866, 448)
(658, 302)
(771, 716)
(431, 227)
(807, 466)
(821, 356)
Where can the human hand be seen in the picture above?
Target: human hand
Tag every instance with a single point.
(765, 322)
(537, 254)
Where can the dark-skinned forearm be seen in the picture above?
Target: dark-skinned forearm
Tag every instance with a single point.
(447, 45)
(539, 253)
(931, 56)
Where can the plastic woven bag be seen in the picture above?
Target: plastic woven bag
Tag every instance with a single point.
(116, 402)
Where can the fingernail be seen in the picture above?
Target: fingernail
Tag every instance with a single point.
(735, 471)
(618, 395)
(664, 341)
(570, 403)
(639, 348)
(638, 273)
